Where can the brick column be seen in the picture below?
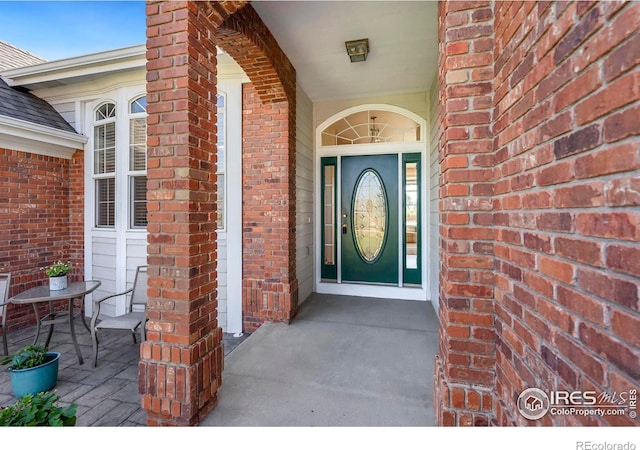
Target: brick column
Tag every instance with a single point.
(181, 365)
(465, 368)
(76, 214)
(269, 284)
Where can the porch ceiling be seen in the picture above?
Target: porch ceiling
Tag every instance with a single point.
(403, 43)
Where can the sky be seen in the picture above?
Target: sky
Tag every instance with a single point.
(62, 29)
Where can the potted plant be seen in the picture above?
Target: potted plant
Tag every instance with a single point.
(33, 369)
(57, 273)
(38, 410)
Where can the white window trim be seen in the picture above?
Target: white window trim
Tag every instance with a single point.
(223, 170)
(132, 173)
(122, 96)
(104, 175)
(233, 201)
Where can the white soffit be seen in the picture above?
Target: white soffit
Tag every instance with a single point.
(403, 41)
(77, 69)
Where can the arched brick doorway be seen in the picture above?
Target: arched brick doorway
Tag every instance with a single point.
(181, 362)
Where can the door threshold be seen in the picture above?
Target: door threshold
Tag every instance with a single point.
(374, 290)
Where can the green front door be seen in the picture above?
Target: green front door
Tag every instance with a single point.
(369, 219)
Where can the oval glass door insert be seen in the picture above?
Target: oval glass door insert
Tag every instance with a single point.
(369, 215)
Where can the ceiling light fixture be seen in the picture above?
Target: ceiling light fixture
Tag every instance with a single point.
(358, 50)
(374, 131)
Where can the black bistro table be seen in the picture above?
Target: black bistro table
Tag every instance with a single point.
(42, 294)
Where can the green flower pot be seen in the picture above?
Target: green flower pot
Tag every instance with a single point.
(36, 379)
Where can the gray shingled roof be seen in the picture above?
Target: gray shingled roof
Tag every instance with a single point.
(17, 102)
(12, 57)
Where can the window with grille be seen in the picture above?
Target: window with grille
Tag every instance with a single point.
(104, 165)
(138, 163)
(220, 171)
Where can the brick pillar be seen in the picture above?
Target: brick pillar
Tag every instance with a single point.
(76, 215)
(269, 284)
(465, 368)
(181, 362)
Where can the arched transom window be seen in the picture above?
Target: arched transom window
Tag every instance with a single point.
(371, 127)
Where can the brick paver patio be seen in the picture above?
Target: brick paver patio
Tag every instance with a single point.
(106, 395)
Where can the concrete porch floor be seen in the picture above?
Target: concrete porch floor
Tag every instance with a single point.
(344, 361)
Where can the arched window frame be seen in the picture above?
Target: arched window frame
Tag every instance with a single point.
(371, 111)
(104, 164)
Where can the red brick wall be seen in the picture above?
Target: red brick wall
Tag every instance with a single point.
(76, 214)
(181, 366)
(36, 222)
(270, 287)
(465, 369)
(245, 38)
(560, 139)
(566, 195)
(270, 290)
(181, 361)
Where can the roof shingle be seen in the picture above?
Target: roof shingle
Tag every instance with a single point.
(17, 102)
(12, 57)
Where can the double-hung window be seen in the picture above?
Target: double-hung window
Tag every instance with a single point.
(116, 158)
(138, 163)
(104, 164)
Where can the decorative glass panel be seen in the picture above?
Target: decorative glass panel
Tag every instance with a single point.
(105, 202)
(106, 111)
(411, 215)
(329, 215)
(138, 202)
(370, 127)
(369, 215)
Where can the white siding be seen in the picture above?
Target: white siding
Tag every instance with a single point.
(222, 281)
(304, 194)
(136, 255)
(229, 241)
(434, 215)
(103, 269)
(68, 112)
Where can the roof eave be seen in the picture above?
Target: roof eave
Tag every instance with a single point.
(77, 67)
(27, 136)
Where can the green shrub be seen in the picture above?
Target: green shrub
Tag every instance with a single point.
(38, 410)
(26, 358)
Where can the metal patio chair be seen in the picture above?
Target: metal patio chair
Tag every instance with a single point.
(5, 281)
(131, 321)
